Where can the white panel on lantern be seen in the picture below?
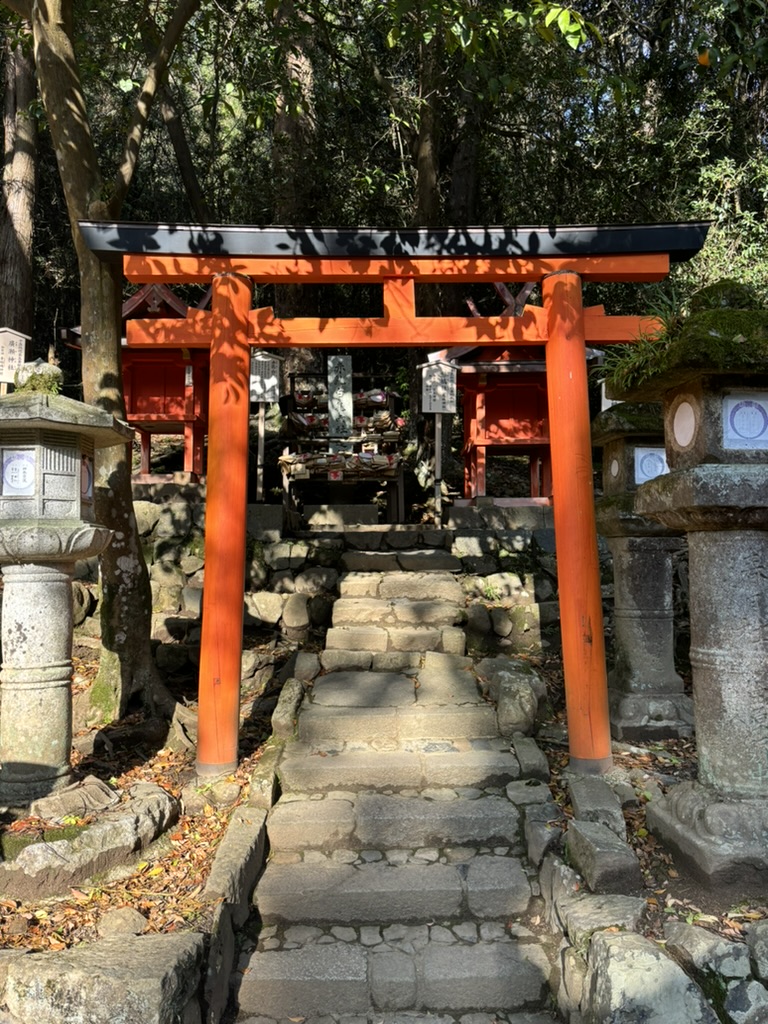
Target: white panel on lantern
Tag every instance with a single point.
(438, 387)
(650, 463)
(18, 472)
(745, 420)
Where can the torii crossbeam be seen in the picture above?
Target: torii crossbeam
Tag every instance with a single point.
(233, 258)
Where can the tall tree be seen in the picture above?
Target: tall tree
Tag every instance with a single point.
(126, 664)
(19, 180)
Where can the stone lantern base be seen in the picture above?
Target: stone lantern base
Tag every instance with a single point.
(722, 841)
(649, 716)
(36, 675)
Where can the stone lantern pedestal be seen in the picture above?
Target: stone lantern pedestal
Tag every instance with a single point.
(47, 444)
(645, 692)
(716, 428)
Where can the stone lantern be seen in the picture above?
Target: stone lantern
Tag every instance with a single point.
(715, 396)
(645, 692)
(47, 445)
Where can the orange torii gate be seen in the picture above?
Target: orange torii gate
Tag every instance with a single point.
(232, 258)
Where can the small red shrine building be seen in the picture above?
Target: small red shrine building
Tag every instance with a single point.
(505, 411)
(165, 389)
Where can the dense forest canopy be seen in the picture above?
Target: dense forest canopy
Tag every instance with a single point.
(401, 112)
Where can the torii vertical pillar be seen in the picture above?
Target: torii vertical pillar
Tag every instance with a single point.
(225, 527)
(581, 608)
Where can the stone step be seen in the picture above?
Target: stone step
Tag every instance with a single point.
(449, 639)
(484, 886)
(432, 969)
(399, 612)
(373, 821)
(418, 765)
(418, 560)
(416, 586)
(396, 725)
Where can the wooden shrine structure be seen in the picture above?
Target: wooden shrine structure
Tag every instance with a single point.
(232, 258)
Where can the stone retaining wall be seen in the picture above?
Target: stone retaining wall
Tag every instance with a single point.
(504, 557)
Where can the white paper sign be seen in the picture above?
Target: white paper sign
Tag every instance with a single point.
(745, 420)
(438, 388)
(12, 349)
(265, 378)
(18, 472)
(650, 463)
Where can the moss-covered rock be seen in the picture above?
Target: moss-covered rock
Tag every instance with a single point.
(725, 294)
(721, 340)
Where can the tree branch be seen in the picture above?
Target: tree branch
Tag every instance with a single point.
(156, 72)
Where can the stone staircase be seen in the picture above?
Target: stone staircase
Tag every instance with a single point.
(397, 880)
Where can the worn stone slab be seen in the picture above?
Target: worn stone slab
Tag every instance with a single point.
(395, 661)
(757, 943)
(587, 913)
(356, 638)
(238, 861)
(385, 822)
(360, 584)
(446, 722)
(469, 768)
(369, 561)
(304, 770)
(487, 976)
(704, 952)
(428, 560)
(320, 725)
(453, 640)
(445, 683)
(533, 761)
(393, 980)
(310, 823)
(746, 1003)
(284, 715)
(559, 886)
(425, 613)
(394, 769)
(153, 979)
(418, 586)
(362, 611)
(570, 991)
(543, 830)
(497, 887)
(339, 661)
(593, 799)
(363, 690)
(48, 869)
(371, 893)
(305, 981)
(607, 863)
(631, 979)
(530, 791)
(414, 638)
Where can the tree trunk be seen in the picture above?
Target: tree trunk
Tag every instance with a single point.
(126, 664)
(293, 150)
(19, 182)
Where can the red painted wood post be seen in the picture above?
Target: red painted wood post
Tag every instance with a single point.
(581, 608)
(225, 520)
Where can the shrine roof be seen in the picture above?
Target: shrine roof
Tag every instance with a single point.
(111, 240)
